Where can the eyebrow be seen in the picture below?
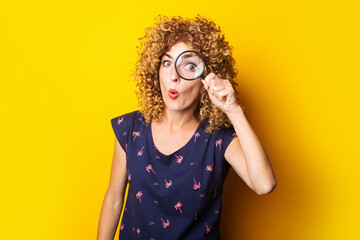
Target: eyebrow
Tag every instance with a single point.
(189, 55)
(168, 55)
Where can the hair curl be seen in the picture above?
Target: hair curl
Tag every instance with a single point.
(202, 36)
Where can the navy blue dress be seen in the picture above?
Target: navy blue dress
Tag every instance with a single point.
(176, 196)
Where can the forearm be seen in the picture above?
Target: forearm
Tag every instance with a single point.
(259, 168)
(109, 219)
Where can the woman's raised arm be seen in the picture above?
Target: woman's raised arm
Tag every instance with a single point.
(245, 153)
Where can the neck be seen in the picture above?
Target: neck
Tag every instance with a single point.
(179, 119)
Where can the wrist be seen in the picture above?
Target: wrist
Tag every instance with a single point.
(235, 112)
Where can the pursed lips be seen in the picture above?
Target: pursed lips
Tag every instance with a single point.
(173, 93)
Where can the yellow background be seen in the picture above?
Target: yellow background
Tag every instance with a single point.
(64, 71)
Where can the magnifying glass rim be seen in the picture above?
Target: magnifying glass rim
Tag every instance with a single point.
(198, 54)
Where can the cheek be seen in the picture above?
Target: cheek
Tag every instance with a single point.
(195, 90)
(197, 86)
(162, 84)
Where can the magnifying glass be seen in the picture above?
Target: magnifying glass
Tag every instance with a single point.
(190, 65)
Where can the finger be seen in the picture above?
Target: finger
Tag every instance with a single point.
(210, 76)
(225, 90)
(206, 83)
(218, 86)
(207, 80)
(222, 95)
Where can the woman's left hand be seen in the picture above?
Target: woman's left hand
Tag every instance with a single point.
(221, 93)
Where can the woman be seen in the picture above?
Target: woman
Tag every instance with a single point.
(176, 152)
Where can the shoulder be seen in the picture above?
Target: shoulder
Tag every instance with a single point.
(224, 136)
(124, 125)
(128, 116)
(220, 131)
(132, 121)
(227, 133)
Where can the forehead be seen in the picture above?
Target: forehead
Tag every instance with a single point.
(176, 49)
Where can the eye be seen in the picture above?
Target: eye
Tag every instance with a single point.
(190, 66)
(166, 63)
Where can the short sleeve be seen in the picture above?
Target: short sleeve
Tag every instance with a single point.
(121, 130)
(229, 135)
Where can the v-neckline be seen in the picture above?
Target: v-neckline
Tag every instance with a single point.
(187, 144)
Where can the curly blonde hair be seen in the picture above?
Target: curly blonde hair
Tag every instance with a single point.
(200, 35)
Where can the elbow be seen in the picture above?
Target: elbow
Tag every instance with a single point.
(267, 188)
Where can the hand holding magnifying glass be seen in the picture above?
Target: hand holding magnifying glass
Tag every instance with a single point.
(190, 65)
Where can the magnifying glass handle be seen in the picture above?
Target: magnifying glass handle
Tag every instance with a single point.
(202, 76)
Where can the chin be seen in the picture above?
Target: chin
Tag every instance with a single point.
(177, 107)
(178, 104)
(172, 105)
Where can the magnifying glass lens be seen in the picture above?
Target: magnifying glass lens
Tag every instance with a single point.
(189, 65)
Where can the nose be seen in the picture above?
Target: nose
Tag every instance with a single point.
(174, 77)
